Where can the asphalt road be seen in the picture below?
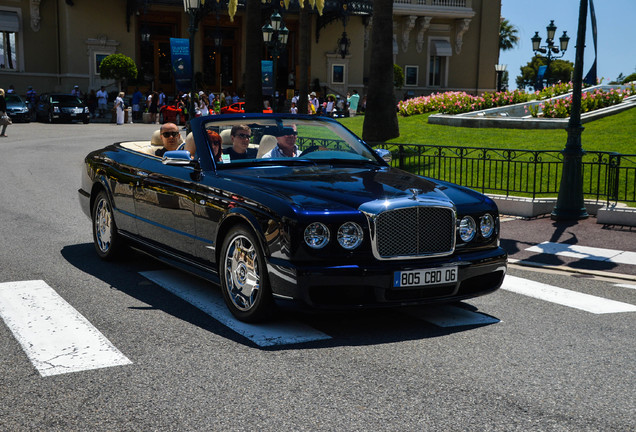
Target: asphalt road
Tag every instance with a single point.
(533, 364)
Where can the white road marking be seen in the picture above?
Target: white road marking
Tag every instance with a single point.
(56, 338)
(209, 299)
(629, 286)
(585, 252)
(573, 299)
(450, 316)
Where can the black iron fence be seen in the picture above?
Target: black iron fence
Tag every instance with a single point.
(607, 176)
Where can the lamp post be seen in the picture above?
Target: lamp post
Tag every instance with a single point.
(193, 8)
(275, 36)
(550, 51)
(500, 69)
(570, 204)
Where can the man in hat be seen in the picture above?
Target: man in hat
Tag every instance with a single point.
(76, 92)
(286, 144)
(314, 101)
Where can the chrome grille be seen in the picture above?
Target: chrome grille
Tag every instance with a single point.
(415, 232)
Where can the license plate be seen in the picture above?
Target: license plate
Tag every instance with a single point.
(425, 277)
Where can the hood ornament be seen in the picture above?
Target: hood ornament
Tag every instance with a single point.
(415, 193)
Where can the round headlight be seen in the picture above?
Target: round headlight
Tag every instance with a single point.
(467, 228)
(316, 235)
(487, 225)
(350, 235)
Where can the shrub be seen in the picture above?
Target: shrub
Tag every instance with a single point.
(118, 67)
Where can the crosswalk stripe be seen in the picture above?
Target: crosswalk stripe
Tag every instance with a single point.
(450, 316)
(55, 337)
(573, 299)
(207, 298)
(629, 286)
(585, 252)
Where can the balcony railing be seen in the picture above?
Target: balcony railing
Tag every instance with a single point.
(607, 176)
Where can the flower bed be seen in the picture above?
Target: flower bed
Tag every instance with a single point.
(590, 101)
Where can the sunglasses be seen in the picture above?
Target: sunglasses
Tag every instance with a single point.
(170, 134)
(244, 136)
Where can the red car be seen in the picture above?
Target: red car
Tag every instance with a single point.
(239, 107)
(172, 114)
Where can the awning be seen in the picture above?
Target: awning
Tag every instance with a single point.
(441, 48)
(9, 22)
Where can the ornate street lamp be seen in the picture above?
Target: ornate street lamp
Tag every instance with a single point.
(500, 69)
(550, 51)
(275, 36)
(570, 204)
(343, 44)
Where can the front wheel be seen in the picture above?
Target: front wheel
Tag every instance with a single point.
(105, 237)
(244, 280)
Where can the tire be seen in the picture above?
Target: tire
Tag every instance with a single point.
(244, 280)
(107, 241)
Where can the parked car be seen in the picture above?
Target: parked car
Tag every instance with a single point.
(335, 227)
(172, 114)
(61, 107)
(239, 107)
(17, 109)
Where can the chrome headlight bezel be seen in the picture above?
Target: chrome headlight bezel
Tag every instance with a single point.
(467, 229)
(316, 235)
(487, 225)
(350, 235)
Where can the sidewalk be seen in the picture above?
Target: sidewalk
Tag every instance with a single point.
(582, 246)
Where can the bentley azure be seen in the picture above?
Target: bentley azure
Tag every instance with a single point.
(332, 227)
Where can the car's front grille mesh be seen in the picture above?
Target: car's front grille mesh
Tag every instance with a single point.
(415, 231)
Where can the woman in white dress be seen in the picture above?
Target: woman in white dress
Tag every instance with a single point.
(119, 108)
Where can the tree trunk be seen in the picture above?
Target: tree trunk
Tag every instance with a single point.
(380, 117)
(304, 56)
(253, 55)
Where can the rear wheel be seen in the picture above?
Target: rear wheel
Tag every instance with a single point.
(244, 280)
(107, 241)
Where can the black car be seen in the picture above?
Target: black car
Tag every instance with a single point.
(17, 109)
(61, 107)
(332, 227)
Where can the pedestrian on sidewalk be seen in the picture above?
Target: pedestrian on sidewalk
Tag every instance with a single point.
(102, 102)
(119, 107)
(4, 118)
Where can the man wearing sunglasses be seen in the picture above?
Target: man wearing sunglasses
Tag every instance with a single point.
(241, 136)
(170, 138)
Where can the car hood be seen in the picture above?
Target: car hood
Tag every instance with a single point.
(320, 188)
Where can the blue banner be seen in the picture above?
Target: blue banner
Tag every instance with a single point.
(181, 64)
(267, 77)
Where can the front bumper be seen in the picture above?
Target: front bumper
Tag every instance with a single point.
(371, 285)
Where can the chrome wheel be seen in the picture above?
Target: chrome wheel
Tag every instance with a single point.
(103, 225)
(105, 237)
(244, 280)
(242, 276)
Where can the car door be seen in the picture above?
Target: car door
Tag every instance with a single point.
(164, 203)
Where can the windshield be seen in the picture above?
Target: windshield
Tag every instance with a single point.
(14, 99)
(276, 141)
(65, 99)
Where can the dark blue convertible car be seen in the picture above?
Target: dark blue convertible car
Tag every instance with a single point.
(331, 227)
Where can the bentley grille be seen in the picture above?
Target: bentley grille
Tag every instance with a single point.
(415, 232)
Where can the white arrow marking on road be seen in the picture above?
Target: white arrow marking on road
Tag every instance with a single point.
(573, 299)
(585, 252)
(56, 338)
(209, 299)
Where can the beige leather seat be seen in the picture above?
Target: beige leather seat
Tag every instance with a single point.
(267, 143)
(226, 136)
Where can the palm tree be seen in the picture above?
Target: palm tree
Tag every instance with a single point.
(507, 35)
(253, 53)
(380, 117)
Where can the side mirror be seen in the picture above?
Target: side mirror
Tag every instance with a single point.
(177, 157)
(385, 155)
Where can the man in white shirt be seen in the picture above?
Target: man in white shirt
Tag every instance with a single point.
(286, 146)
(102, 101)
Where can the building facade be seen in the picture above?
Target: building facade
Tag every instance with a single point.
(54, 45)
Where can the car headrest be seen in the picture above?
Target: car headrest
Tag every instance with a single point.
(155, 140)
(267, 143)
(226, 136)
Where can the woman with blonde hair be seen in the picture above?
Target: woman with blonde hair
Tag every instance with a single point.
(4, 118)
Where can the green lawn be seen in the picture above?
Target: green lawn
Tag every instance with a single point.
(616, 133)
